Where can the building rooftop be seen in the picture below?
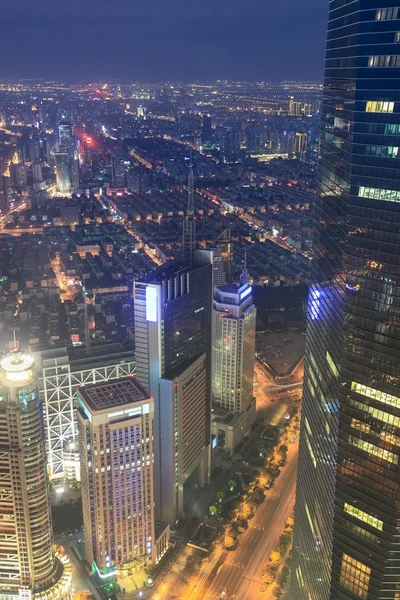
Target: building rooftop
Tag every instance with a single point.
(111, 394)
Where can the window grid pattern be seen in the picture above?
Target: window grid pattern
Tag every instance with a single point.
(355, 576)
(355, 242)
(363, 516)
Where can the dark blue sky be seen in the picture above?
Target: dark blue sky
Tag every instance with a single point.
(163, 39)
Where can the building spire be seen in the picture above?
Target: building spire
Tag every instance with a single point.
(190, 208)
(244, 276)
(189, 222)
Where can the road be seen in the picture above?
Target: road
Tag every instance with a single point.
(241, 571)
(4, 218)
(255, 545)
(80, 577)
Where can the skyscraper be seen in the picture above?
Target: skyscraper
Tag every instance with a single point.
(118, 171)
(173, 346)
(234, 329)
(233, 351)
(346, 542)
(64, 135)
(231, 144)
(115, 421)
(29, 565)
(63, 173)
(206, 129)
(189, 222)
(67, 144)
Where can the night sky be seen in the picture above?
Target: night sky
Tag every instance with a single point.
(159, 40)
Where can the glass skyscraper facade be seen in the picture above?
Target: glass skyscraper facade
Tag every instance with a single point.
(347, 530)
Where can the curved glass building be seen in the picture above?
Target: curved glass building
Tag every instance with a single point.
(347, 519)
(30, 567)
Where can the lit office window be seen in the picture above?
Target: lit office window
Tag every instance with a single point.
(382, 151)
(386, 14)
(355, 576)
(374, 450)
(331, 364)
(370, 392)
(384, 60)
(363, 516)
(379, 194)
(377, 106)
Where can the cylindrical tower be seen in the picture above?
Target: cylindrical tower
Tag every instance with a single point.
(29, 564)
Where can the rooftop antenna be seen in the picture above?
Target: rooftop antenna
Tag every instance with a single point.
(189, 222)
(244, 276)
(190, 208)
(86, 317)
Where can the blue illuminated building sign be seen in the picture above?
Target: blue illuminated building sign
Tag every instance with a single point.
(151, 304)
(245, 293)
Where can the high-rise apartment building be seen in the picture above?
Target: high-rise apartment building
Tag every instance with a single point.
(300, 145)
(115, 421)
(18, 176)
(173, 343)
(346, 541)
(29, 565)
(294, 107)
(255, 138)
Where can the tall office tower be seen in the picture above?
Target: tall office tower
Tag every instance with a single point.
(173, 361)
(115, 422)
(63, 173)
(189, 222)
(233, 351)
(206, 129)
(67, 144)
(346, 542)
(19, 179)
(231, 144)
(294, 107)
(221, 258)
(65, 135)
(29, 566)
(300, 144)
(234, 330)
(118, 171)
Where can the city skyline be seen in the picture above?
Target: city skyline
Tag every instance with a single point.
(145, 41)
(199, 300)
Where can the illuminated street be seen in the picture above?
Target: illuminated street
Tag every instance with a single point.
(239, 572)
